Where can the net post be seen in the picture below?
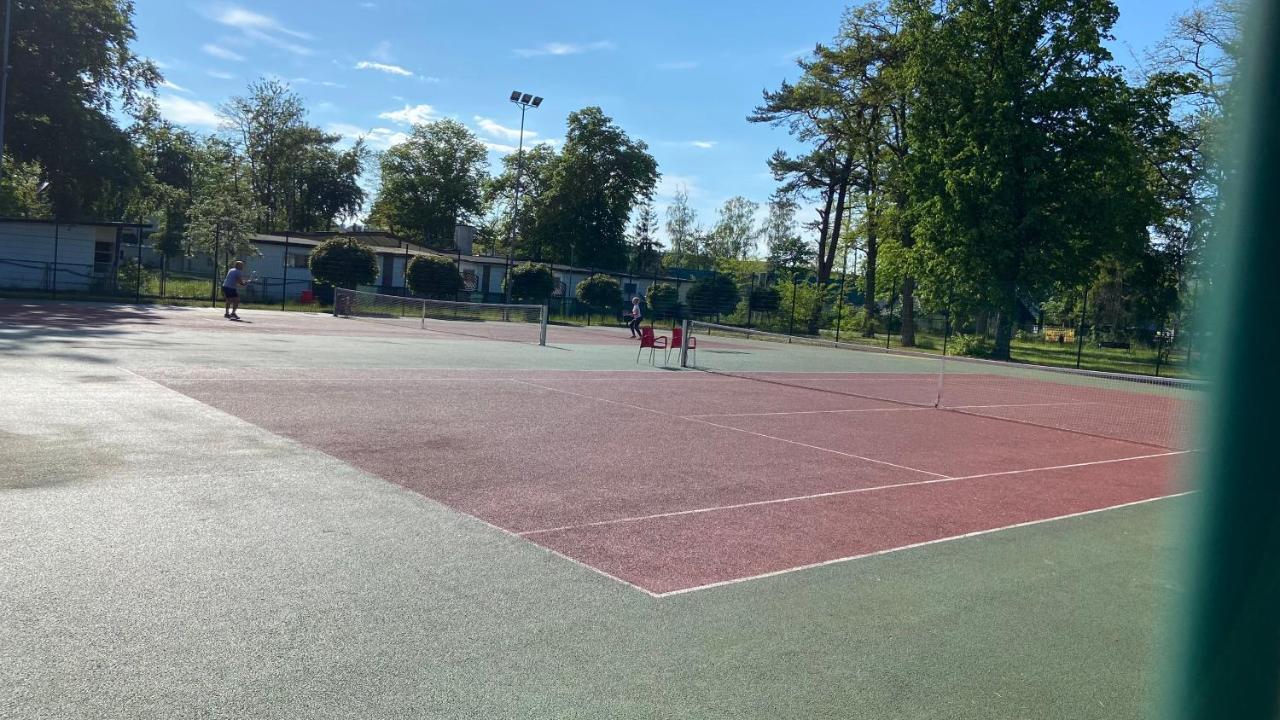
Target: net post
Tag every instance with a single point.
(685, 327)
(542, 326)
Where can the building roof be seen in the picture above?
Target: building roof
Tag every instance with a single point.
(60, 221)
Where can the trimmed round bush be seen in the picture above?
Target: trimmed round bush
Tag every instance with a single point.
(530, 282)
(434, 277)
(714, 295)
(600, 292)
(344, 262)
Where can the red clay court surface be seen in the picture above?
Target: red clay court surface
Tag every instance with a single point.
(673, 482)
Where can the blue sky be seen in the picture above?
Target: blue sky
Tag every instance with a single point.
(681, 76)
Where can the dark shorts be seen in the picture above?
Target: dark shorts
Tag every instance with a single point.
(230, 293)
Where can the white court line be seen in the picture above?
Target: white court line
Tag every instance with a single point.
(977, 533)
(728, 427)
(806, 412)
(836, 493)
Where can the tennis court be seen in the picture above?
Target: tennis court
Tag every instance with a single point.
(674, 482)
(455, 518)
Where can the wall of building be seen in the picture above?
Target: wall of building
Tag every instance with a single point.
(28, 261)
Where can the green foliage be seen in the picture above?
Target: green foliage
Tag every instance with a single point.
(598, 177)
(299, 178)
(1042, 176)
(344, 262)
(434, 277)
(223, 212)
(765, 298)
(735, 233)
(714, 295)
(645, 249)
(20, 194)
(602, 292)
(534, 166)
(663, 299)
(131, 277)
(431, 182)
(531, 282)
(685, 235)
(970, 345)
(73, 72)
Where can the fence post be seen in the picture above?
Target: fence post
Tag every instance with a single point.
(1159, 350)
(946, 325)
(284, 273)
(55, 257)
(791, 328)
(1084, 306)
(137, 283)
(217, 248)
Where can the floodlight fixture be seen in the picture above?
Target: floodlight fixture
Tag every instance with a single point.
(525, 98)
(515, 96)
(537, 101)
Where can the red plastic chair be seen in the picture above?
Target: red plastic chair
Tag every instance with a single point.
(654, 343)
(677, 336)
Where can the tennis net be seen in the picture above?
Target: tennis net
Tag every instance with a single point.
(1157, 412)
(496, 321)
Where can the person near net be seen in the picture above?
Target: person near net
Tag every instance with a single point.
(231, 290)
(634, 325)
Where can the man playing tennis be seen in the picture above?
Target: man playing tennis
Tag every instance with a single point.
(231, 290)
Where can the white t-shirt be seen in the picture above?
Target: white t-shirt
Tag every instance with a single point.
(635, 310)
(233, 278)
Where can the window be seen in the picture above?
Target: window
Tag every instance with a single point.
(297, 260)
(103, 252)
(470, 282)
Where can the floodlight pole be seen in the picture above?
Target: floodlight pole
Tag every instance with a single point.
(524, 104)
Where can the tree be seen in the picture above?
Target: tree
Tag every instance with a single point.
(663, 299)
(431, 182)
(531, 282)
(224, 212)
(434, 277)
(645, 248)
(300, 179)
(766, 299)
(600, 292)
(73, 70)
(1023, 167)
(499, 196)
(735, 233)
(344, 262)
(20, 194)
(600, 174)
(684, 234)
(716, 294)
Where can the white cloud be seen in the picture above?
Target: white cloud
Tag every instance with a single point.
(500, 148)
(262, 28)
(368, 5)
(220, 75)
(309, 81)
(678, 65)
(222, 53)
(375, 138)
(703, 144)
(171, 85)
(411, 115)
(184, 111)
(384, 67)
(562, 48)
(489, 127)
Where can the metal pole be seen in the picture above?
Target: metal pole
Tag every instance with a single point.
(685, 326)
(1084, 305)
(791, 326)
(55, 257)
(137, 283)
(4, 78)
(515, 206)
(217, 248)
(284, 272)
(844, 271)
